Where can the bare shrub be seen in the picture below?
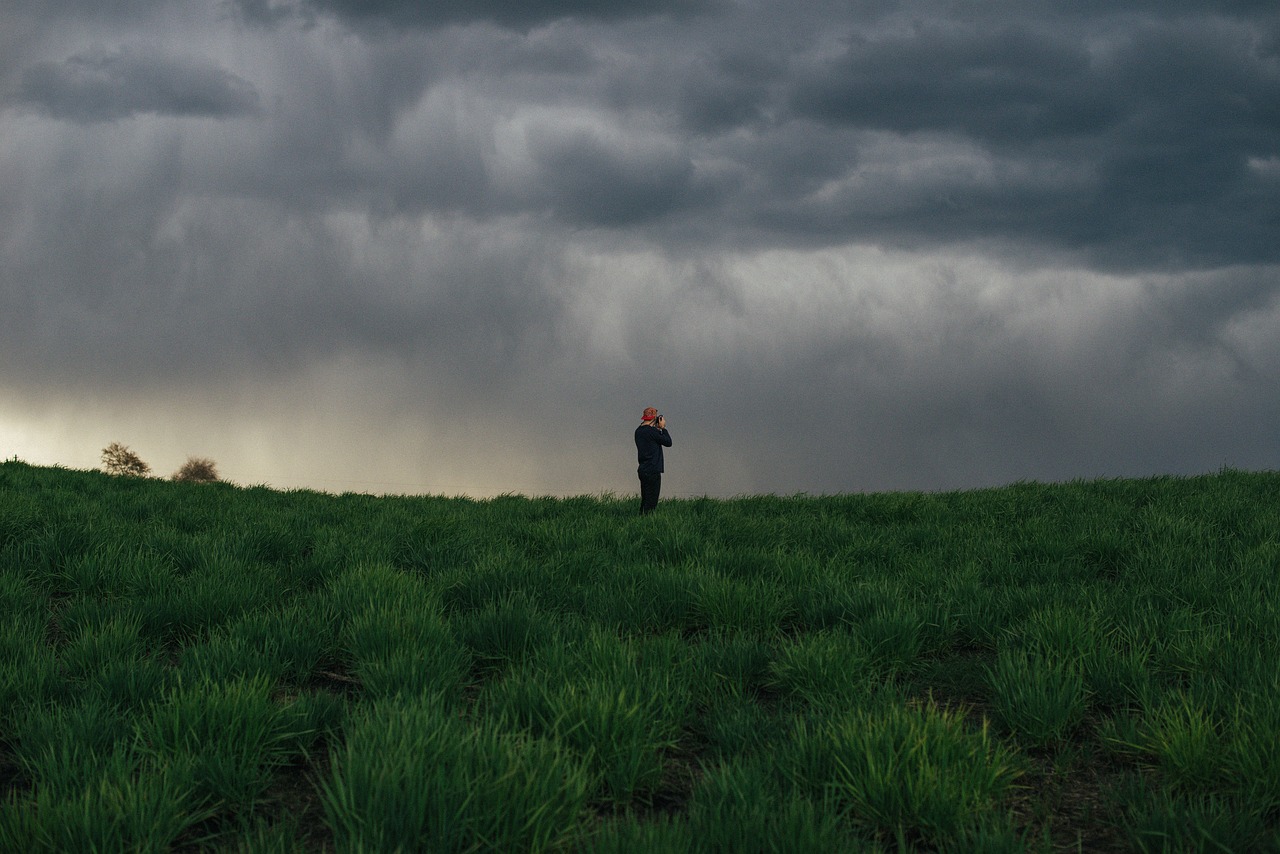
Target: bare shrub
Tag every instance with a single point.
(119, 459)
(197, 470)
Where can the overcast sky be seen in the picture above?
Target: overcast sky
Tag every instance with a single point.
(456, 247)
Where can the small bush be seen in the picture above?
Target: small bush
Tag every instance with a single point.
(119, 459)
(197, 470)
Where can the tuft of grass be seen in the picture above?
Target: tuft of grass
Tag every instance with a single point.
(180, 610)
(395, 638)
(1063, 633)
(601, 701)
(642, 598)
(232, 735)
(730, 664)
(398, 650)
(740, 807)
(735, 726)
(413, 777)
(126, 804)
(825, 670)
(60, 747)
(1039, 700)
(1253, 753)
(724, 603)
(1184, 741)
(1183, 821)
(504, 632)
(906, 774)
(1117, 677)
(893, 637)
(29, 671)
(630, 833)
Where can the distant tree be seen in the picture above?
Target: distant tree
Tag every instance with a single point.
(119, 459)
(197, 470)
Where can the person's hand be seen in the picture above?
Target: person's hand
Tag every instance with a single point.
(662, 422)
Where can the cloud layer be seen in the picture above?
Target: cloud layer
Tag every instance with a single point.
(99, 86)
(843, 245)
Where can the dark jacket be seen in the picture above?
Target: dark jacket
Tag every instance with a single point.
(649, 443)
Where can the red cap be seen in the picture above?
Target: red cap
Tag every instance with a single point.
(649, 414)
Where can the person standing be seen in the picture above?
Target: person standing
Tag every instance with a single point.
(651, 438)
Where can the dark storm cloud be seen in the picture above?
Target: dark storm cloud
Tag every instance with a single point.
(106, 11)
(931, 374)
(1006, 86)
(109, 85)
(847, 244)
(159, 290)
(589, 180)
(507, 13)
(1125, 134)
(1157, 120)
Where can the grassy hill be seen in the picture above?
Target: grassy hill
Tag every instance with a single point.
(206, 667)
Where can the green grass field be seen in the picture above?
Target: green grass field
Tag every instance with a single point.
(1089, 666)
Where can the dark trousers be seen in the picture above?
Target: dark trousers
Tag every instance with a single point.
(650, 486)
